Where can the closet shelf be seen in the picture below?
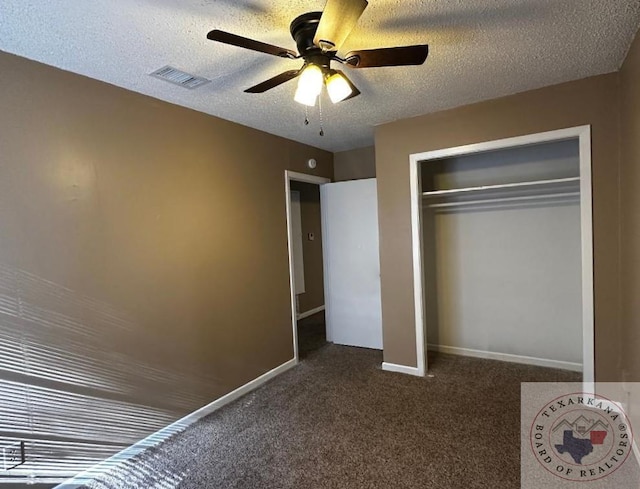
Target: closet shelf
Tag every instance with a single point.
(537, 186)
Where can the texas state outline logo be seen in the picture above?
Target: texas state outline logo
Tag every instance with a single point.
(581, 437)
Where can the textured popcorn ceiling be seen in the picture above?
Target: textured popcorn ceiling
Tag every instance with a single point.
(479, 49)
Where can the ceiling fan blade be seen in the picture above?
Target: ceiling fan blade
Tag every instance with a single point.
(354, 90)
(273, 82)
(243, 42)
(338, 19)
(400, 56)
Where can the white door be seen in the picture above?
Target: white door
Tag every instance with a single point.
(352, 263)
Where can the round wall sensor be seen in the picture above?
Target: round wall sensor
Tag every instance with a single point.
(312, 163)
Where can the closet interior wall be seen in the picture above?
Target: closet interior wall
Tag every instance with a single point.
(502, 254)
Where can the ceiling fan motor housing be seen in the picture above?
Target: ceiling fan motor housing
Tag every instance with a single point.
(303, 29)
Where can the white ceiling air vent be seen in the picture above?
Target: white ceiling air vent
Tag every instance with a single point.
(177, 77)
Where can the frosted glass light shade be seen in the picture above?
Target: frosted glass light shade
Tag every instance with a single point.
(338, 88)
(305, 97)
(309, 85)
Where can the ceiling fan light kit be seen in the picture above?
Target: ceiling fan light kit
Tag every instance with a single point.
(313, 78)
(318, 37)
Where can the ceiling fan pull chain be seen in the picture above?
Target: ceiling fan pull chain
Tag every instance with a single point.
(320, 109)
(306, 115)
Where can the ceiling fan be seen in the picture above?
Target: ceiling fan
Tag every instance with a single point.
(318, 37)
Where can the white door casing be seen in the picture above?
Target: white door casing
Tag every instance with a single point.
(583, 135)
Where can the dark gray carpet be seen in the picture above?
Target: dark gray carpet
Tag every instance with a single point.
(338, 421)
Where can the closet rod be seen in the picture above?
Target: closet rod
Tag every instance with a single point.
(505, 199)
(515, 185)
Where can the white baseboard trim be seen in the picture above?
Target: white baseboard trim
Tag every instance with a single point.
(507, 357)
(176, 427)
(402, 369)
(310, 312)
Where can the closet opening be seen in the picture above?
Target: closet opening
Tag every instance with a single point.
(502, 238)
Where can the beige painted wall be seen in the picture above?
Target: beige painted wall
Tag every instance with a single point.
(355, 164)
(143, 255)
(589, 101)
(312, 250)
(630, 208)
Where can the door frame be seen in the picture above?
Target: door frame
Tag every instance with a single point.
(580, 133)
(290, 176)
